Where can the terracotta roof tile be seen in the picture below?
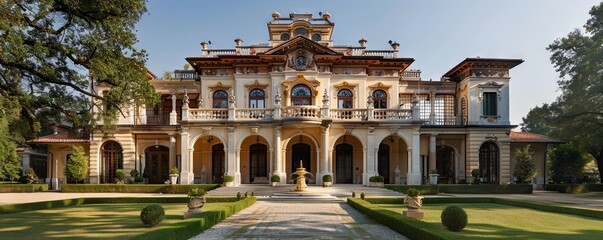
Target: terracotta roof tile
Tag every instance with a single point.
(62, 137)
(528, 137)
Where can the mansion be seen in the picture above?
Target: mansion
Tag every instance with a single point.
(254, 111)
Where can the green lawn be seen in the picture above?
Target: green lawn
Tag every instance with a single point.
(495, 221)
(90, 221)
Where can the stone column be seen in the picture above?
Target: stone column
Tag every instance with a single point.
(173, 115)
(278, 161)
(172, 148)
(414, 177)
(231, 157)
(432, 153)
(186, 174)
(369, 157)
(325, 155)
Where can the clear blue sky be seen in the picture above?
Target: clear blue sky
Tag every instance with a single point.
(437, 34)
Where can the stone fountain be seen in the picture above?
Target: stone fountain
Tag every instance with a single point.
(301, 178)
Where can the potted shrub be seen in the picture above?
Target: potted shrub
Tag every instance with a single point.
(413, 202)
(433, 176)
(475, 174)
(120, 176)
(376, 181)
(196, 199)
(327, 180)
(275, 180)
(174, 175)
(228, 180)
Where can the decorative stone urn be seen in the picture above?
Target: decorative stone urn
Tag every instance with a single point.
(413, 203)
(413, 207)
(173, 178)
(196, 203)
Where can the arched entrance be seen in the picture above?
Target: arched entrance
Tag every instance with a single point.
(344, 162)
(157, 163)
(488, 162)
(445, 164)
(383, 162)
(217, 163)
(112, 159)
(258, 161)
(391, 156)
(301, 152)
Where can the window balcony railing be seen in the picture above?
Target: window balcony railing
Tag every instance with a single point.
(348, 114)
(392, 114)
(301, 112)
(207, 114)
(253, 113)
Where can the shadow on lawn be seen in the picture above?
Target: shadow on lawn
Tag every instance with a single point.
(84, 221)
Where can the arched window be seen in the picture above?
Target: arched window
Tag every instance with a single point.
(316, 37)
(488, 162)
(256, 98)
(220, 99)
(285, 37)
(345, 99)
(300, 31)
(301, 95)
(380, 99)
(112, 159)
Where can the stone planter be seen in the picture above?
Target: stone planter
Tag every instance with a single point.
(375, 184)
(327, 184)
(413, 207)
(433, 178)
(229, 184)
(173, 178)
(274, 184)
(194, 206)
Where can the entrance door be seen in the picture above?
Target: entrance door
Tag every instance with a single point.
(157, 164)
(258, 161)
(383, 161)
(217, 163)
(344, 163)
(300, 152)
(445, 163)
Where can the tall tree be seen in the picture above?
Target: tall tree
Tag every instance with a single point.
(52, 52)
(577, 115)
(76, 168)
(525, 166)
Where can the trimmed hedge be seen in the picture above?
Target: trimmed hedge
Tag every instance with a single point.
(465, 188)
(409, 227)
(415, 229)
(575, 188)
(136, 188)
(24, 207)
(510, 202)
(595, 187)
(424, 189)
(18, 188)
(191, 227)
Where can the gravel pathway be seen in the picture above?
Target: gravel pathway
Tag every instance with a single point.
(279, 220)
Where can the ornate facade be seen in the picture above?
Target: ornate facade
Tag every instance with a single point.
(345, 111)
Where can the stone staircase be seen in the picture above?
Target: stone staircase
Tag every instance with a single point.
(314, 193)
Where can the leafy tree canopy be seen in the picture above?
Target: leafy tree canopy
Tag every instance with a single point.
(54, 54)
(576, 115)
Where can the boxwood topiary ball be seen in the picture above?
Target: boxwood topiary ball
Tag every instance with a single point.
(152, 215)
(454, 218)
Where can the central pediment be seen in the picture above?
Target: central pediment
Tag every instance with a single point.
(301, 42)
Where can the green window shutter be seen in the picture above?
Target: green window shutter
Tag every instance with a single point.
(489, 104)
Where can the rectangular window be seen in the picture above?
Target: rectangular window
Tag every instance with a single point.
(489, 104)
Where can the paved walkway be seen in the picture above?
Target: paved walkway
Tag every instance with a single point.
(279, 220)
